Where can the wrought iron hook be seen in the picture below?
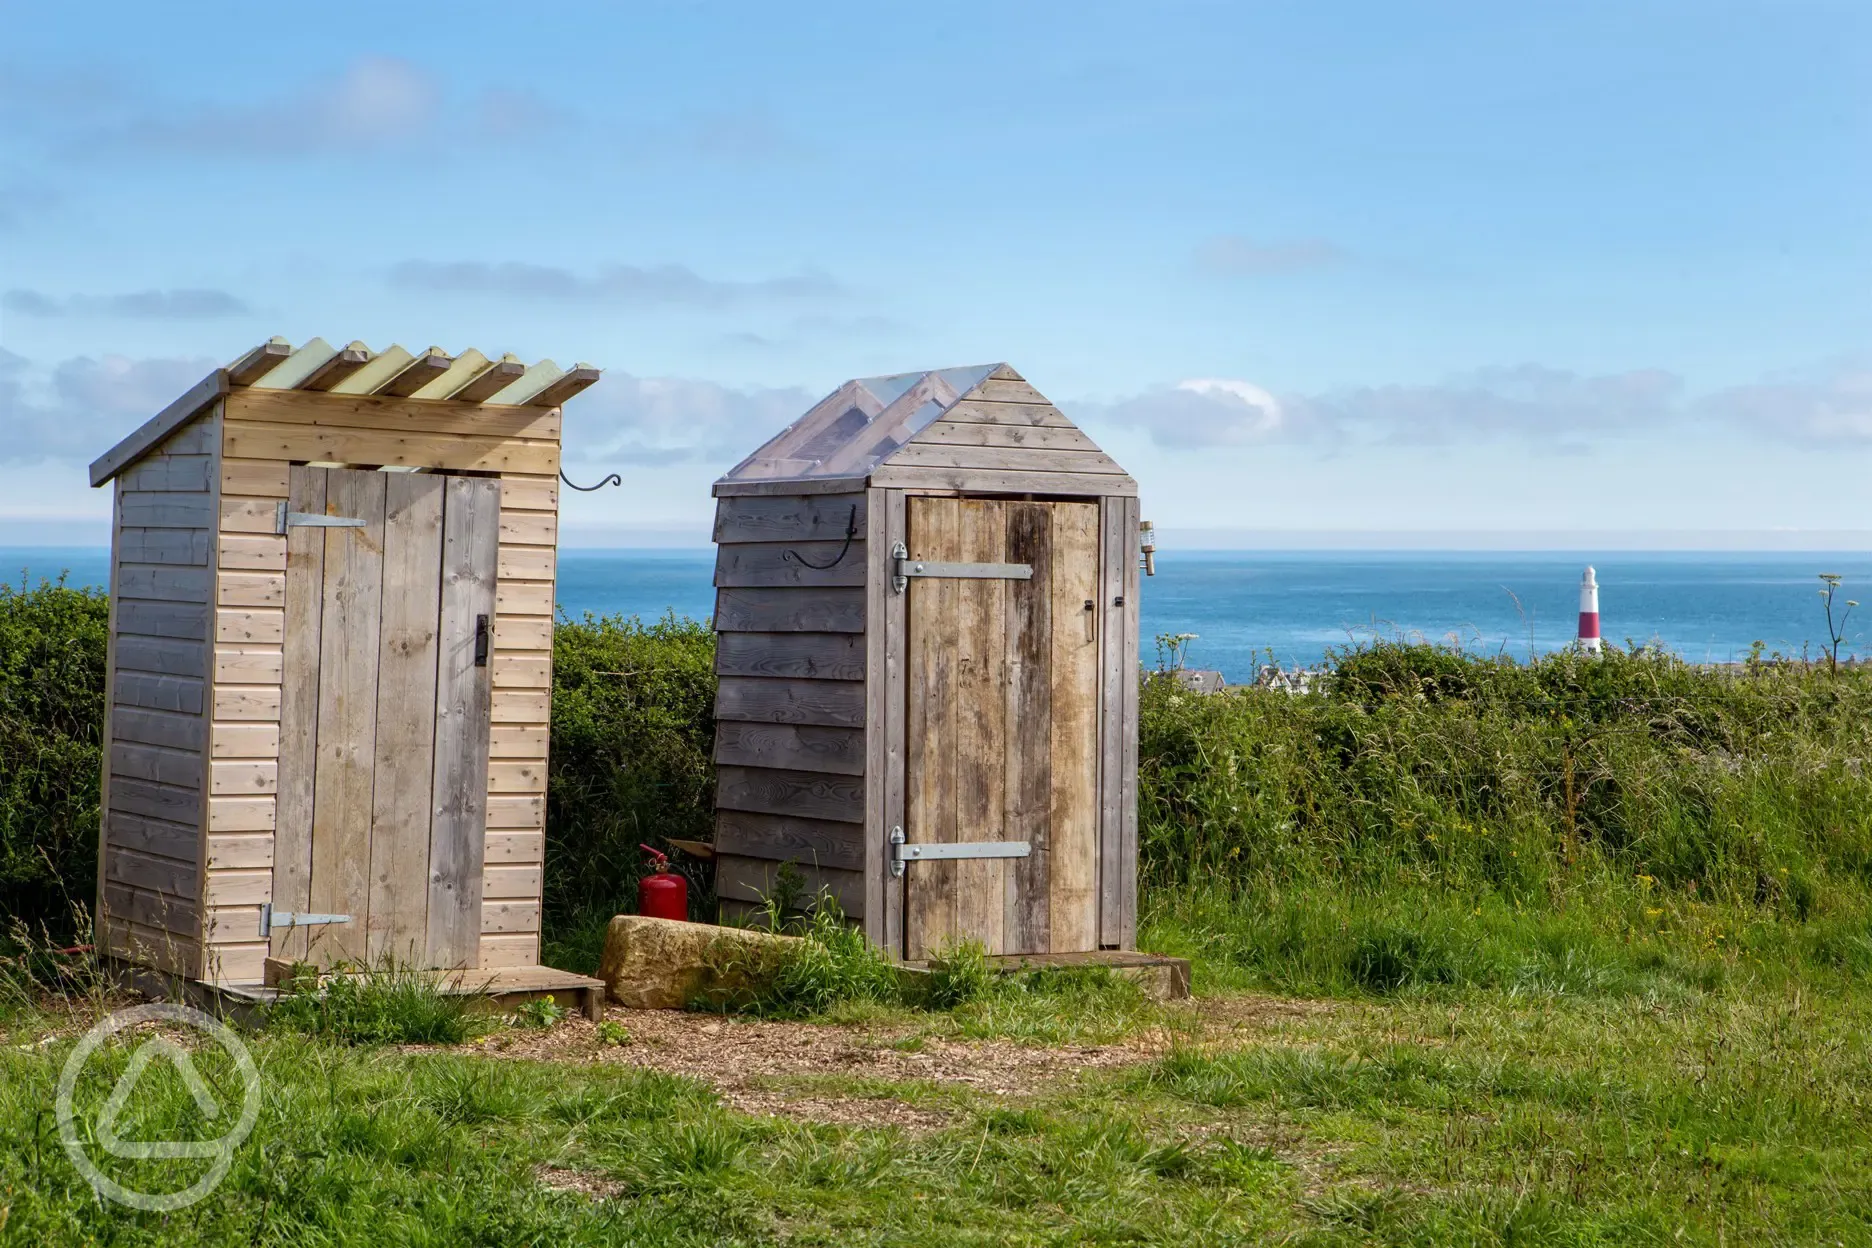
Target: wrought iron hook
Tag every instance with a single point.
(613, 479)
(851, 531)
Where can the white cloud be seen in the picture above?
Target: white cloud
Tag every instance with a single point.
(1829, 405)
(1525, 402)
(151, 305)
(82, 407)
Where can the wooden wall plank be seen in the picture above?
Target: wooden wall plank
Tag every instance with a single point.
(298, 709)
(790, 839)
(170, 728)
(160, 838)
(1006, 458)
(180, 768)
(517, 741)
(243, 777)
(250, 589)
(526, 563)
(249, 665)
(982, 740)
(520, 671)
(157, 693)
(523, 632)
(997, 433)
(516, 777)
(255, 552)
(512, 847)
(502, 917)
(241, 814)
(152, 509)
(180, 547)
(795, 747)
(269, 440)
(162, 656)
(518, 811)
(240, 849)
(895, 628)
(343, 776)
(529, 528)
(524, 598)
(833, 703)
(1028, 900)
(169, 876)
(184, 620)
(406, 718)
(755, 879)
(930, 914)
(1073, 870)
(530, 493)
(250, 625)
(263, 478)
(164, 582)
(170, 473)
(511, 883)
(1014, 415)
(870, 856)
(810, 517)
(369, 413)
(464, 698)
(504, 951)
(805, 564)
(805, 794)
(247, 702)
(521, 706)
(1128, 790)
(790, 610)
(1112, 554)
(995, 481)
(249, 515)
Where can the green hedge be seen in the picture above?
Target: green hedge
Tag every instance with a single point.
(52, 647)
(1414, 767)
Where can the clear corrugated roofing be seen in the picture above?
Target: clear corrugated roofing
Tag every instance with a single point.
(859, 425)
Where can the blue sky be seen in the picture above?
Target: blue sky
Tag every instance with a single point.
(1476, 270)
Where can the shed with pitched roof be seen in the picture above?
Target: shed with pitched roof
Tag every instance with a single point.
(330, 663)
(927, 654)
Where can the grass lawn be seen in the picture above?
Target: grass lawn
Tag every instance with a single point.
(1671, 1097)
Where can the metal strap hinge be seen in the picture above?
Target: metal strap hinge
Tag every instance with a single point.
(904, 567)
(903, 853)
(271, 918)
(284, 520)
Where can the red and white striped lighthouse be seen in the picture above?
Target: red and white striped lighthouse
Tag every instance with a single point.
(1589, 613)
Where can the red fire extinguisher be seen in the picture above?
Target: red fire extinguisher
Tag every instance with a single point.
(664, 895)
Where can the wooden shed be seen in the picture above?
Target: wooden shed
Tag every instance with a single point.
(330, 663)
(927, 656)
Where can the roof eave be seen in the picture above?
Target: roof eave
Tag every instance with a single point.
(151, 432)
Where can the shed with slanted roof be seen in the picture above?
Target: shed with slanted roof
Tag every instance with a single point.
(330, 664)
(927, 656)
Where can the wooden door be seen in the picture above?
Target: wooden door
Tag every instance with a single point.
(384, 719)
(1002, 738)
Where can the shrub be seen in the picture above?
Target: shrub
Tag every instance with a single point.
(52, 653)
(633, 736)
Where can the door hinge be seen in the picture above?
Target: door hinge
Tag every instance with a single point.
(284, 519)
(481, 641)
(903, 853)
(271, 918)
(903, 567)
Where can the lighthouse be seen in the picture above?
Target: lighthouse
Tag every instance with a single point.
(1589, 613)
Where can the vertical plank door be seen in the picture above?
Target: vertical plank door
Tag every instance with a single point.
(463, 714)
(385, 717)
(344, 777)
(1002, 729)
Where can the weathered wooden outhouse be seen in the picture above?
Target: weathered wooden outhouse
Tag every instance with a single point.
(330, 664)
(927, 618)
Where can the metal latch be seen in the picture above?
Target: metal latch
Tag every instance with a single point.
(481, 641)
(903, 854)
(904, 567)
(271, 918)
(283, 520)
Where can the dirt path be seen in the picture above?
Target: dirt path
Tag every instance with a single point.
(772, 1067)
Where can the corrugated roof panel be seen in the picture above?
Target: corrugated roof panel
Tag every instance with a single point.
(374, 374)
(295, 368)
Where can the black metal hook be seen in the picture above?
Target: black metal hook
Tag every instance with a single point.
(613, 479)
(851, 531)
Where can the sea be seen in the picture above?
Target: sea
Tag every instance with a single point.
(1246, 609)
